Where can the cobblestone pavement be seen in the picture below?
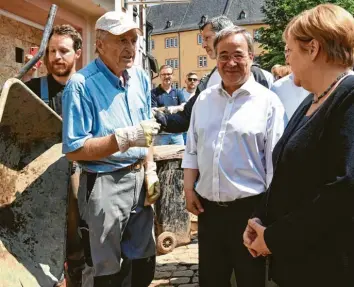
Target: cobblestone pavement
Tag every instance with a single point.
(178, 268)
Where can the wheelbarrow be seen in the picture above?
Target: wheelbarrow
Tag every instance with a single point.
(33, 190)
(172, 220)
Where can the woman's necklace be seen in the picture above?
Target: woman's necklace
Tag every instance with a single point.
(315, 101)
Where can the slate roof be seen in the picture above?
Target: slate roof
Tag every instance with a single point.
(187, 16)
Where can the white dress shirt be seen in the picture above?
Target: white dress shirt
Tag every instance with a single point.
(269, 77)
(290, 95)
(231, 138)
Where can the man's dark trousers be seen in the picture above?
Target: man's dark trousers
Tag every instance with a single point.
(221, 249)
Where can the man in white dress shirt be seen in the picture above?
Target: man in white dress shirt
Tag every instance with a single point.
(234, 127)
(290, 95)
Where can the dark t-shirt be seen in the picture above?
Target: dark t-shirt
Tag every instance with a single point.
(55, 91)
(161, 98)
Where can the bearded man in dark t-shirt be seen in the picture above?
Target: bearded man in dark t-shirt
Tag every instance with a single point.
(63, 50)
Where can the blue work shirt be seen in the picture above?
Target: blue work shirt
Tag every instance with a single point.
(161, 98)
(95, 104)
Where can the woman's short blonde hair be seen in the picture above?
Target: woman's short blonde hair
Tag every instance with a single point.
(332, 26)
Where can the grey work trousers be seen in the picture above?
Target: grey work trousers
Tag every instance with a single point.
(114, 220)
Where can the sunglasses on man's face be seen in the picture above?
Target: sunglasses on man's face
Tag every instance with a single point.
(192, 79)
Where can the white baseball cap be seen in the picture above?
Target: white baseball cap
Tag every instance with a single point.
(117, 23)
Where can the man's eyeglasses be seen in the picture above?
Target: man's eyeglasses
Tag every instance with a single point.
(226, 58)
(192, 79)
(166, 75)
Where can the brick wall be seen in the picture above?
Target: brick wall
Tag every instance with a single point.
(15, 34)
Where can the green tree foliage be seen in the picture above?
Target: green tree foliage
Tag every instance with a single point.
(278, 13)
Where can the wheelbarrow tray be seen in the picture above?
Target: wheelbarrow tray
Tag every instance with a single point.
(33, 190)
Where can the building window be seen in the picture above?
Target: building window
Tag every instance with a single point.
(19, 55)
(124, 5)
(242, 15)
(202, 21)
(174, 63)
(175, 85)
(135, 12)
(152, 44)
(200, 39)
(256, 35)
(171, 42)
(202, 61)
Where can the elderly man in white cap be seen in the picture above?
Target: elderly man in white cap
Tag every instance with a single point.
(107, 128)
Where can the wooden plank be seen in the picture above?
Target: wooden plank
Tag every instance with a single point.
(166, 152)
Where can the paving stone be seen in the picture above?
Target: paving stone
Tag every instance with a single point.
(170, 261)
(181, 264)
(159, 283)
(193, 246)
(167, 268)
(190, 261)
(160, 275)
(179, 251)
(181, 268)
(185, 273)
(180, 280)
(194, 267)
(184, 247)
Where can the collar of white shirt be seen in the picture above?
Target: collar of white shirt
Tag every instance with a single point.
(247, 88)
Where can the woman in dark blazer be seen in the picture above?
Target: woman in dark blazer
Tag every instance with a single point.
(305, 224)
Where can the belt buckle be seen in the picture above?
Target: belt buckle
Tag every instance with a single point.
(222, 204)
(137, 166)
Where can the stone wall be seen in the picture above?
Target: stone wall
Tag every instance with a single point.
(16, 34)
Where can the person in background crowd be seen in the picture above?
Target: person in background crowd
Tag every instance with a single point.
(289, 94)
(179, 122)
(189, 92)
(274, 69)
(170, 100)
(305, 222)
(280, 71)
(191, 85)
(234, 127)
(107, 128)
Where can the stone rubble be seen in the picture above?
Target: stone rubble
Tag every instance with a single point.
(178, 268)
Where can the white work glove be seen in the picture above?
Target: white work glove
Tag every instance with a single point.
(174, 109)
(152, 183)
(140, 135)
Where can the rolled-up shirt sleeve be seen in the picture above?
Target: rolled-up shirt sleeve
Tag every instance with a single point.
(276, 123)
(77, 116)
(190, 157)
